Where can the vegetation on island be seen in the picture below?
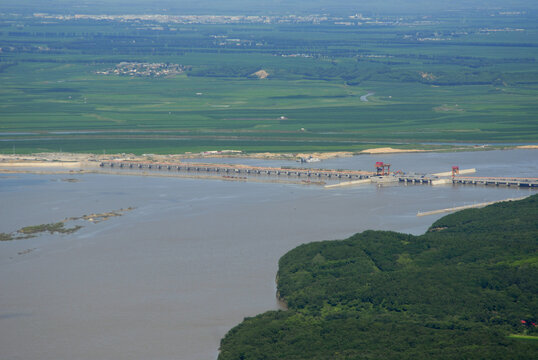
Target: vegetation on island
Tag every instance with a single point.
(6, 237)
(60, 227)
(34, 230)
(52, 228)
(466, 289)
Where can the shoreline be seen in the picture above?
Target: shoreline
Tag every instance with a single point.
(74, 160)
(83, 163)
(470, 206)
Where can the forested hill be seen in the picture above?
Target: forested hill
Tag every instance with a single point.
(466, 289)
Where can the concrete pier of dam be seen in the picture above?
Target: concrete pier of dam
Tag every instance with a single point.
(242, 170)
(472, 180)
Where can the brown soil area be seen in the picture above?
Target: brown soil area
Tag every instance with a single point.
(389, 150)
(261, 74)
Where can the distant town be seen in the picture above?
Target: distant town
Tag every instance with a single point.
(144, 69)
(355, 19)
(161, 22)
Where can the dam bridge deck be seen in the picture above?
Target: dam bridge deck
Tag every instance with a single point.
(226, 169)
(474, 180)
(333, 174)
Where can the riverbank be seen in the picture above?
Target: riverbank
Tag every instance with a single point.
(74, 160)
(234, 170)
(464, 207)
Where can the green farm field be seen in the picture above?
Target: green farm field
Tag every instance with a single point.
(329, 88)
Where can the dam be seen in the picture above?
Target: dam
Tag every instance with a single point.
(338, 177)
(241, 170)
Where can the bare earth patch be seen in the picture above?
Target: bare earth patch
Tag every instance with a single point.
(261, 74)
(41, 164)
(295, 156)
(389, 150)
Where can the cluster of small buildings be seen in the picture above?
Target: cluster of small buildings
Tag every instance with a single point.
(297, 55)
(144, 69)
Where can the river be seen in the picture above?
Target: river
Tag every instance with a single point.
(194, 257)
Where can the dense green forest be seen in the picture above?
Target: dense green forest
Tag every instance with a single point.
(466, 289)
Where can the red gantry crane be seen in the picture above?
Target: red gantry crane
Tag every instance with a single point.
(382, 168)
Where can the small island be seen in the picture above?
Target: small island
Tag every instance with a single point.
(466, 289)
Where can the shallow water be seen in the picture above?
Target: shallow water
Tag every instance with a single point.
(521, 162)
(168, 279)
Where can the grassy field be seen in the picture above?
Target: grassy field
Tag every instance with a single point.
(523, 337)
(468, 87)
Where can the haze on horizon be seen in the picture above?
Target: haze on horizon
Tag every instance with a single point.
(260, 6)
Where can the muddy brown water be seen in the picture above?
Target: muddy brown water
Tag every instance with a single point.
(168, 279)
